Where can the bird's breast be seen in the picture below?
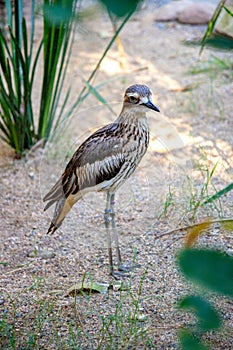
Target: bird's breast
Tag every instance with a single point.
(137, 135)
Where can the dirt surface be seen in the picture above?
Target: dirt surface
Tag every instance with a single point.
(192, 133)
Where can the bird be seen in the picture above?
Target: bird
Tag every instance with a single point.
(103, 162)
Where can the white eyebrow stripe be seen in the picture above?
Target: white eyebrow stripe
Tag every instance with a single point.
(144, 99)
(134, 94)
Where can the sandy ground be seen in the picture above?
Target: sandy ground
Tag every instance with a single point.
(191, 134)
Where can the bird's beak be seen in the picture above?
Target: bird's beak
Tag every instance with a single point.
(150, 105)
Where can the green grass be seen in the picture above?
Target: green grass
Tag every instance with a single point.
(169, 203)
(47, 322)
(37, 317)
(194, 196)
(214, 67)
(200, 192)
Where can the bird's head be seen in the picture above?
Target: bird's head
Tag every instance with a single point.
(139, 98)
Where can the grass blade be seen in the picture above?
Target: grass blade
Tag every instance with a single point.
(125, 20)
(211, 24)
(219, 194)
(98, 96)
(228, 11)
(57, 32)
(9, 12)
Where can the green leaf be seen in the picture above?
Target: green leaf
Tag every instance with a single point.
(117, 32)
(220, 193)
(219, 42)
(120, 8)
(188, 342)
(87, 287)
(208, 317)
(209, 268)
(97, 95)
(58, 37)
(211, 24)
(216, 41)
(228, 11)
(57, 13)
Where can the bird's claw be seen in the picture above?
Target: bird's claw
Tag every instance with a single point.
(123, 271)
(119, 274)
(128, 268)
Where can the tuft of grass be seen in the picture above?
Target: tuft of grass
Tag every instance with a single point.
(219, 194)
(214, 66)
(125, 325)
(168, 203)
(47, 320)
(7, 332)
(199, 194)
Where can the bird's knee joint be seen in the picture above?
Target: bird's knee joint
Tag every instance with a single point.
(107, 215)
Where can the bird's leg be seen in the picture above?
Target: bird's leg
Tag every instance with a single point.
(121, 267)
(110, 219)
(115, 235)
(107, 218)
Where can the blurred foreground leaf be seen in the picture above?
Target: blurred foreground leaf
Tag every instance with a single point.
(58, 13)
(215, 41)
(188, 342)
(209, 268)
(208, 318)
(120, 8)
(220, 42)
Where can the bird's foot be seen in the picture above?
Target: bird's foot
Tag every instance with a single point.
(123, 270)
(128, 267)
(119, 274)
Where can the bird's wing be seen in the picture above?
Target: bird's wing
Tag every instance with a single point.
(98, 159)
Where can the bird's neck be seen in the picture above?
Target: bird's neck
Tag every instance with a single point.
(132, 116)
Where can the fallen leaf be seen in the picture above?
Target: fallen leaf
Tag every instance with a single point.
(195, 231)
(88, 288)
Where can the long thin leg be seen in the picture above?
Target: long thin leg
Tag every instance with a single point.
(107, 218)
(121, 267)
(115, 235)
(115, 274)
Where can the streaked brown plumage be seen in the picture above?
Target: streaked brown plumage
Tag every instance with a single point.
(105, 160)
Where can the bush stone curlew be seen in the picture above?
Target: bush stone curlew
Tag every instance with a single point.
(104, 161)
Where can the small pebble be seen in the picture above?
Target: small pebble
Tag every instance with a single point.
(44, 254)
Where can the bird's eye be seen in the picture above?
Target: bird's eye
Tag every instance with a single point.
(133, 99)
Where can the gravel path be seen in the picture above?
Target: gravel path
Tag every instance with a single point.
(193, 132)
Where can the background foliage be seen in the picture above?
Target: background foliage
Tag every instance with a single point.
(18, 121)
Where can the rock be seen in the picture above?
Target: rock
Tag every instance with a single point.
(170, 11)
(196, 13)
(224, 24)
(187, 12)
(44, 254)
